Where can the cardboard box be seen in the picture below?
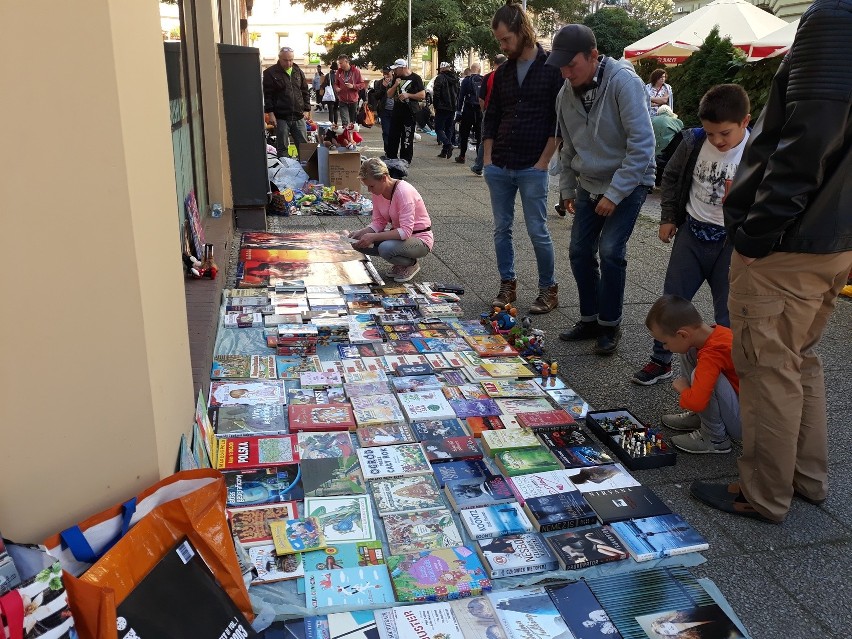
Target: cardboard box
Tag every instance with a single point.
(306, 151)
(334, 169)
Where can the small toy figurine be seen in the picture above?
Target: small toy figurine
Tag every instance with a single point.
(554, 369)
(545, 372)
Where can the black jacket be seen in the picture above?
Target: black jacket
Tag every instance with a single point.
(677, 177)
(793, 190)
(445, 91)
(285, 95)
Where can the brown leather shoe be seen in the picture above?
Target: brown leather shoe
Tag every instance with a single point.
(508, 293)
(546, 301)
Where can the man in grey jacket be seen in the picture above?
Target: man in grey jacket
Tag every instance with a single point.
(607, 170)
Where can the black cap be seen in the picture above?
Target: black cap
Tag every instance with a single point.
(387, 68)
(568, 42)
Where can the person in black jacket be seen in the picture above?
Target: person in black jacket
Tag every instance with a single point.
(789, 215)
(445, 96)
(287, 98)
(468, 111)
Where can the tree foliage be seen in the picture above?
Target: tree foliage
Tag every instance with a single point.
(615, 29)
(652, 13)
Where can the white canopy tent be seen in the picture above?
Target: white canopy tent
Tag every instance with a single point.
(776, 43)
(738, 20)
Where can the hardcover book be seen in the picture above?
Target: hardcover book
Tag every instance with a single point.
(406, 494)
(250, 524)
(373, 410)
(526, 460)
(320, 417)
(559, 511)
(359, 586)
(545, 419)
(516, 406)
(296, 535)
(657, 537)
(577, 549)
(342, 519)
(570, 401)
(384, 435)
(332, 476)
(496, 441)
(438, 575)
(583, 613)
(465, 408)
(495, 521)
(475, 493)
(600, 477)
(516, 554)
(324, 445)
(528, 613)
(502, 388)
(426, 621)
(244, 421)
(272, 567)
(426, 405)
(249, 453)
(401, 460)
(418, 531)
(265, 486)
(618, 504)
(451, 449)
(231, 367)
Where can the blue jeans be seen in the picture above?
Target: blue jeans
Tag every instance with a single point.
(444, 127)
(693, 262)
(601, 287)
(504, 184)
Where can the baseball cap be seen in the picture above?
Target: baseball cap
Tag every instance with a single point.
(399, 63)
(444, 65)
(568, 42)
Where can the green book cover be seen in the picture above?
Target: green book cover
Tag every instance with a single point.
(526, 460)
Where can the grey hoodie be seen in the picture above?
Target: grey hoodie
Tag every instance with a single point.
(609, 150)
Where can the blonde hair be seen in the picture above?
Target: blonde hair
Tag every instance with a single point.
(665, 108)
(373, 169)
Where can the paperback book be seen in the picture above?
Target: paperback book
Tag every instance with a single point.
(574, 448)
(490, 345)
(320, 417)
(603, 477)
(332, 476)
(570, 401)
(439, 428)
(250, 524)
(344, 555)
(426, 405)
(438, 575)
(325, 445)
(497, 441)
(426, 621)
(361, 389)
(454, 471)
(476, 618)
(246, 393)
(291, 366)
(502, 388)
(373, 410)
(272, 567)
(385, 434)
(296, 535)
(406, 494)
(465, 408)
(418, 531)
(551, 482)
(495, 521)
(559, 511)
(619, 504)
(319, 379)
(451, 449)
(508, 370)
(231, 367)
(516, 406)
(526, 460)
(583, 613)
(401, 460)
(548, 419)
(657, 537)
(249, 453)
(244, 421)
(578, 549)
(528, 613)
(478, 425)
(359, 586)
(265, 486)
(357, 624)
(516, 554)
(342, 519)
(414, 383)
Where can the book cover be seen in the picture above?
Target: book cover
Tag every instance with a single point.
(452, 449)
(503, 388)
(417, 531)
(426, 405)
(495, 521)
(358, 624)
(319, 379)
(476, 618)
(545, 419)
(359, 586)
(354, 351)
(490, 345)
(426, 621)
(307, 628)
(439, 428)
(465, 408)
(526, 460)
(396, 347)
(320, 445)
(272, 567)
(344, 555)
(570, 401)
(406, 494)
(490, 490)
(516, 554)
(472, 392)
(496, 441)
(559, 511)
(618, 504)
(657, 537)
(465, 469)
(365, 376)
(414, 370)
(478, 425)
(577, 549)
(373, 410)
(247, 393)
(528, 613)
(706, 621)
(414, 383)
(581, 610)
(437, 361)
(508, 370)
(180, 598)
(231, 367)
(245, 421)
(516, 406)
(263, 367)
(401, 460)
(265, 486)
(438, 575)
(332, 476)
(385, 434)
(600, 477)
(320, 417)
(291, 366)
(476, 374)
(551, 482)
(361, 389)
(574, 448)
(296, 535)
(249, 453)
(342, 519)
(250, 524)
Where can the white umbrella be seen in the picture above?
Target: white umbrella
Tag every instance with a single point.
(738, 20)
(776, 43)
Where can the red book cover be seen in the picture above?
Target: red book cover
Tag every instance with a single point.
(320, 417)
(479, 424)
(451, 449)
(248, 453)
(545, 418)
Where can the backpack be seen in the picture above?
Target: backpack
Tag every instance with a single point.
(476, 81)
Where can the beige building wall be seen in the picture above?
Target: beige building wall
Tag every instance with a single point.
(95, 387)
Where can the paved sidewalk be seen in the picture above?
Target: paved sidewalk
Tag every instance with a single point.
(785, 582)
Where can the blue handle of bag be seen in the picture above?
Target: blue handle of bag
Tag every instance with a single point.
(79, 546)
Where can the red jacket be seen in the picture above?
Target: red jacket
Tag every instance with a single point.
(344, 93)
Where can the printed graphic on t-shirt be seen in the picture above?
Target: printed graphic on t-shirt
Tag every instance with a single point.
(714, 171)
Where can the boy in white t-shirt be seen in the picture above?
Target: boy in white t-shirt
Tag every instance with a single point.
(695, 183)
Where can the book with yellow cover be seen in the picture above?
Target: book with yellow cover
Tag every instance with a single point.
(297, 535)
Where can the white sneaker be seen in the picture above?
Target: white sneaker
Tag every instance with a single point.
(682, 421)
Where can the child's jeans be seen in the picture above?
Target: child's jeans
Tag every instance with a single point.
(721, 418)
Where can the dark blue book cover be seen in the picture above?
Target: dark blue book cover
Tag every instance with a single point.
(582, 611)
(465, 408)
(656, 537)
(454, 471)
(414, 369)
(563, 510)
(439, 428)
(264, 486)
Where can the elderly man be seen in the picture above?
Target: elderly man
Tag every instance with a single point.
(347, 84)
(287, 99)
(408, 93)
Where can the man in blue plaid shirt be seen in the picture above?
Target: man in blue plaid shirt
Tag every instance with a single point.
(519, 140)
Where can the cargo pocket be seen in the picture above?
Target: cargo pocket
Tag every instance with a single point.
(755, 321)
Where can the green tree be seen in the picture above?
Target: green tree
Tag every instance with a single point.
(615, 29)
(653, 13)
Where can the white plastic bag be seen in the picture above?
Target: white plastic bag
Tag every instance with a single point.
(286, 173)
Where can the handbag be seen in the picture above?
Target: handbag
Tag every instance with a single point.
(38, 607)
(328, 95)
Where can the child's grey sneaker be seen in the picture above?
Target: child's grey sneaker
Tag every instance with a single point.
(682, 421)
(701, 444)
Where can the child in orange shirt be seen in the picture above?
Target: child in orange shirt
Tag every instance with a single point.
(709, 385)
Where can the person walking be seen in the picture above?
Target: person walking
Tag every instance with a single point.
(483, 98)
(520, 138)
(347, 85)
(445, 97)
(408, 93)
(329, 96)
(608, 168)
(468, 111)
(315, 85)
(383, 104)
(287, 99)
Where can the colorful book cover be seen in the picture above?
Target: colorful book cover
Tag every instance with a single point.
(574, 448)
(365, 376)
(297, 396)
(583, 613)
(263, 367)
(320, 417)
(507, 370)
(527, 613)
(344, 555)
(516, 554)
(577, 549)
(657, 537)
(476, 493)
(712, 621)
(231, 367)
(455, 471)
(251, 523)
(632, 502)
(426, 621)
(401, 460)
(495, 521)
(272, 567)
(426, 405)
(244, 421)
(438, 344)
(296, 535)
(265, 486)
(373, 410)
(359, 586)
(325, 445)
(490, 345)
(570, 401)
(291, 366)
(477, 619)
(545, 419)
(363, 389)
(437, 361)
(205, 436)
(479, 425)
(332, 476)
(342, 519)
(318, 379)
(358, 624)
(396, 347)
(472, 392)
(354, 351)
(438, 575)
(476, 374)
(438, 428)
(516, 406)
(406, 494)
(414, 532)
(452, 378)
(495, 441)
(600, 477)
(248, 453)
(414, 383)
(414, 370)
(526, 460)
(503, 388)
(248, 393)
(452, 449)
(385, 434)
(465, 408)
